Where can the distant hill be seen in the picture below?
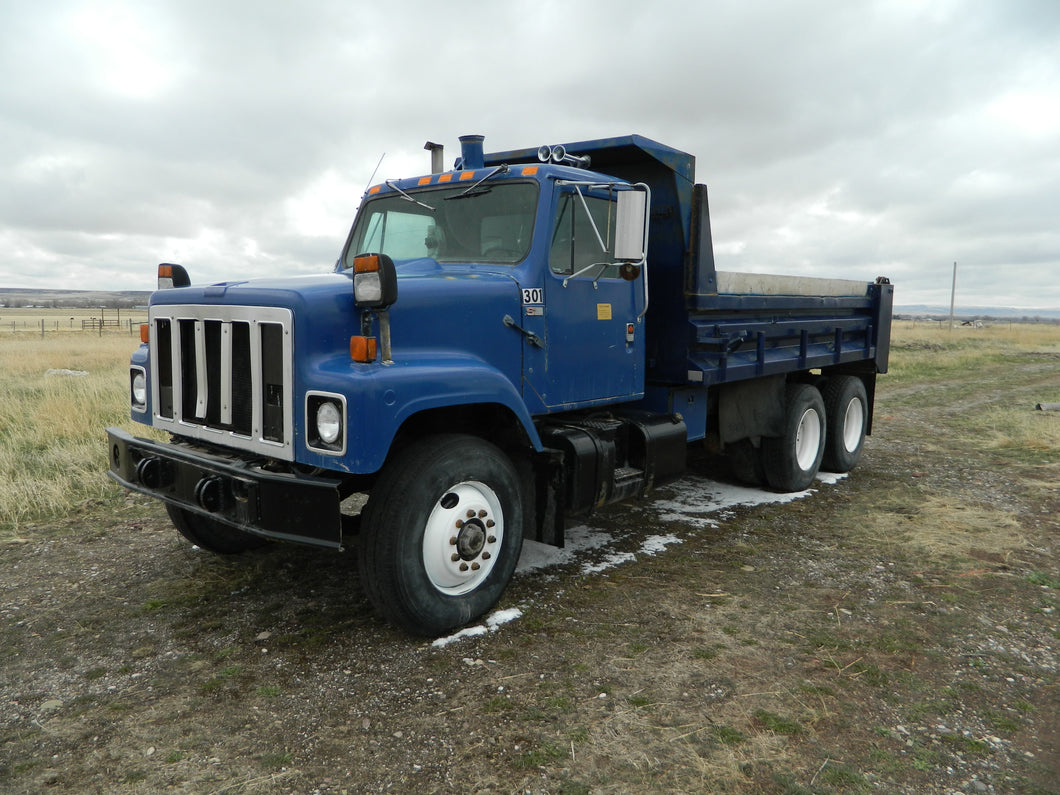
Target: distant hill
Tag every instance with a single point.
(979, 312)
(15, 297)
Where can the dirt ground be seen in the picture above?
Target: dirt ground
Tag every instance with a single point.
(895, 632)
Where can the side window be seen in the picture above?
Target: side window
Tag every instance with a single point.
(576, 237)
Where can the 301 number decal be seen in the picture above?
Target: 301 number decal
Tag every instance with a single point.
(533, 295)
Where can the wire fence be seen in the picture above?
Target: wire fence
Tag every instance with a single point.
(76, 324)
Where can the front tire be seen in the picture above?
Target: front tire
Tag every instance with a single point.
(791, 461)
(846, 408)
(211, 535)
(442, 533)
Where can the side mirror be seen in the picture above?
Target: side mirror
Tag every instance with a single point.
(374, 281)
(170, 276)
(631, 226)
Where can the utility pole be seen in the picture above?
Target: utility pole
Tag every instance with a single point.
(953, 293)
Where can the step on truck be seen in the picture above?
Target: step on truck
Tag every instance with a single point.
(501, 346)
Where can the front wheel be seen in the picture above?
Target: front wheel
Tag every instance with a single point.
(441, 534)
(211, 535)
(791, 461)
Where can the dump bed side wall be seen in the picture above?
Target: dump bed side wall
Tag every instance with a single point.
(751, 335)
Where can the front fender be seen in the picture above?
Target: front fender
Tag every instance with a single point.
(381, 398)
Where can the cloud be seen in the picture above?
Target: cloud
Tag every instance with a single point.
(856, 139)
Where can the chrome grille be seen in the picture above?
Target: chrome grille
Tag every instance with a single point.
(223, 374)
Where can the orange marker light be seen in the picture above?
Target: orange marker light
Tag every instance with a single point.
(363, 349)
(145, 333)
(366, 264)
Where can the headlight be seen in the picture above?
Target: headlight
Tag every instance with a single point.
(329, 422)
(139, 388)
(367, 288)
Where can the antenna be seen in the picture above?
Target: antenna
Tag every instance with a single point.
(371, 179)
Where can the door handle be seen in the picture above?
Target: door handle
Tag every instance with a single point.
(531, 337)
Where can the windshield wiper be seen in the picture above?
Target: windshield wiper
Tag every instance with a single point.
(501, 169)
(391, 184)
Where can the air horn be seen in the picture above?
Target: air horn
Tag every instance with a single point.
(558, 155)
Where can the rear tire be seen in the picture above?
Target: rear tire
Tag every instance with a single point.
(791, 461)
(745, 462)
(211, 535)
(846, 405)
(441, 534)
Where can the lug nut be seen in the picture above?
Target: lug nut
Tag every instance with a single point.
(474, 567)
(459, 523)
(481, 514)
(490, 523)
(463, 567)
(485, 555)
(454, 557)
(470, 513)
(452, 541)
(492, 539)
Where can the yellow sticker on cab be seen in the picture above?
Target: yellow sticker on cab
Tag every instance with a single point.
(603, 311)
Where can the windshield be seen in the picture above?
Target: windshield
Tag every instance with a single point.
(491, 223)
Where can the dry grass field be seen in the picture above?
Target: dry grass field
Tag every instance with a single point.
(896, 632)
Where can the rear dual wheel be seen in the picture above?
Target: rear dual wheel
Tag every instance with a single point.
(846, 406)
(790, 461)
(823, 429)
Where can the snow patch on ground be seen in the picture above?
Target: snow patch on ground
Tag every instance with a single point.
(494, 620)
(578, 540)
(694, 501)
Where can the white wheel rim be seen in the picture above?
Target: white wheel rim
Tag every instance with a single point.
(808, 439)
(463, 538)
(853, 422)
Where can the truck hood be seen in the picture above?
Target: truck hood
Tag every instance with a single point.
(457, 309)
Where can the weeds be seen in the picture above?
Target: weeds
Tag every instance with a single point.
(52, 443)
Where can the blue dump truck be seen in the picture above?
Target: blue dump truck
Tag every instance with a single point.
(521, 339)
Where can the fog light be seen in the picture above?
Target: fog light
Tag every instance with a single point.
(329, 422)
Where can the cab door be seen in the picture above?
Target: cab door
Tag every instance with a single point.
(587, 312)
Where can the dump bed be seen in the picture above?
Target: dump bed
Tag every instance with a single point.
(759, 324)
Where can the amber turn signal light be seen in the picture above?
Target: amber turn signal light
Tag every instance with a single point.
(145, 333)
(363, 349)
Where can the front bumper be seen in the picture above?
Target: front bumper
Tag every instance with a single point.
(279, 505)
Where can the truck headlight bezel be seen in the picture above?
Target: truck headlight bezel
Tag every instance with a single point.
(325, 417)
(138, 389)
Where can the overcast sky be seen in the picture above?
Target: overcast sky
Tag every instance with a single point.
(838, 137)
